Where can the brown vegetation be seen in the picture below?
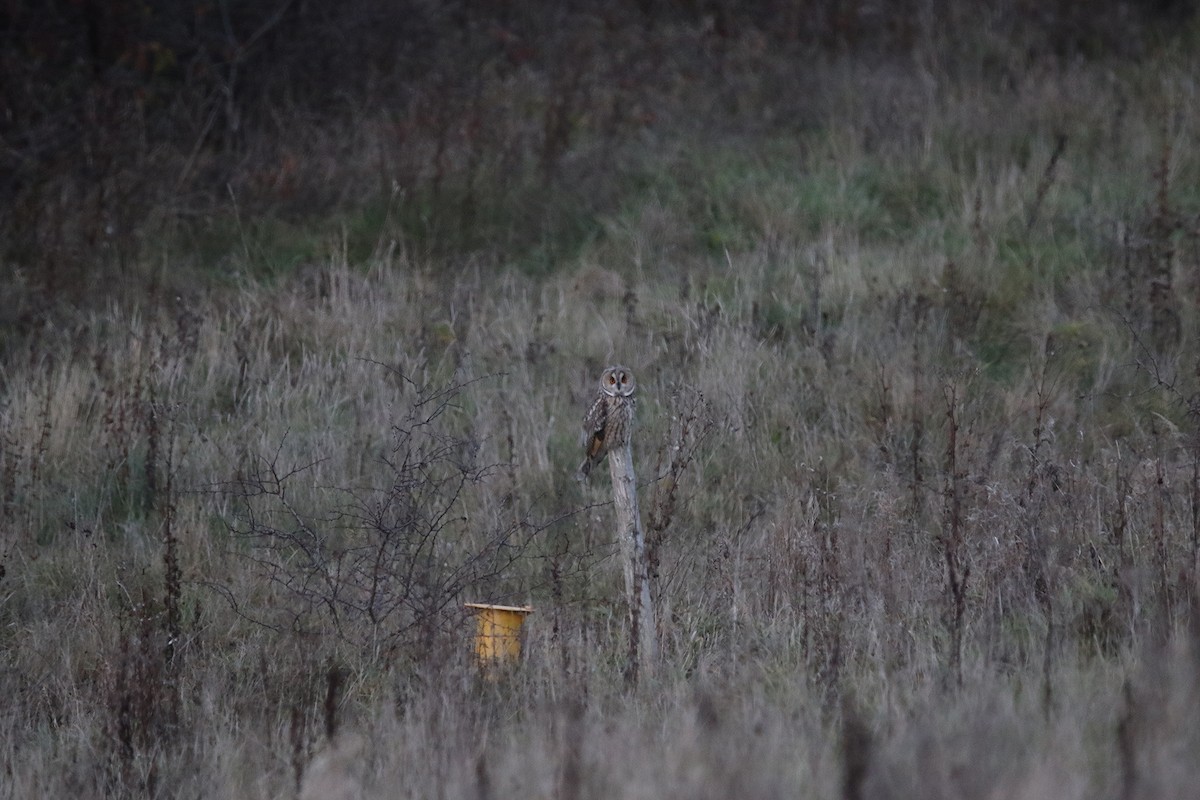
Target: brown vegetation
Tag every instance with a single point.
(912, 303)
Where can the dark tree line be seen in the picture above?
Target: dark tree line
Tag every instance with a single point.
(117, 117)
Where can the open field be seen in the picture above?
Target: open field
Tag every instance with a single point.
(918, 436)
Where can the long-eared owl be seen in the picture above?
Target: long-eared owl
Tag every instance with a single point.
(607, 424)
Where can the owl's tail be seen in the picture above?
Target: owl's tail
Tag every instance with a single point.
(585, 469)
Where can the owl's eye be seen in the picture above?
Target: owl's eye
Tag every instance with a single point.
(611, 379)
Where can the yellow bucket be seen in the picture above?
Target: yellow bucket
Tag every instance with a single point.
(498, 632)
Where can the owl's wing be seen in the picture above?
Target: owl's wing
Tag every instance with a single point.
(593, 426)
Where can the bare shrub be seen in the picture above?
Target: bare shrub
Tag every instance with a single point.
(382, 568)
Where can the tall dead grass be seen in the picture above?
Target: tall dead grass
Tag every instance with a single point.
(938, 537)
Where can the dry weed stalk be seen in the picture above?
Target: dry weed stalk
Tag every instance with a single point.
(691, 423)
(1194, 498)
(1047, 180)
(172, 583)
(958, 567)
(920, 306)
(1159, 530)
(1038, 551)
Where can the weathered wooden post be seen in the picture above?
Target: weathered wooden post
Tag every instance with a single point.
(643, 636)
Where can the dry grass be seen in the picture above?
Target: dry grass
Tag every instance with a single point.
(909, 337)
